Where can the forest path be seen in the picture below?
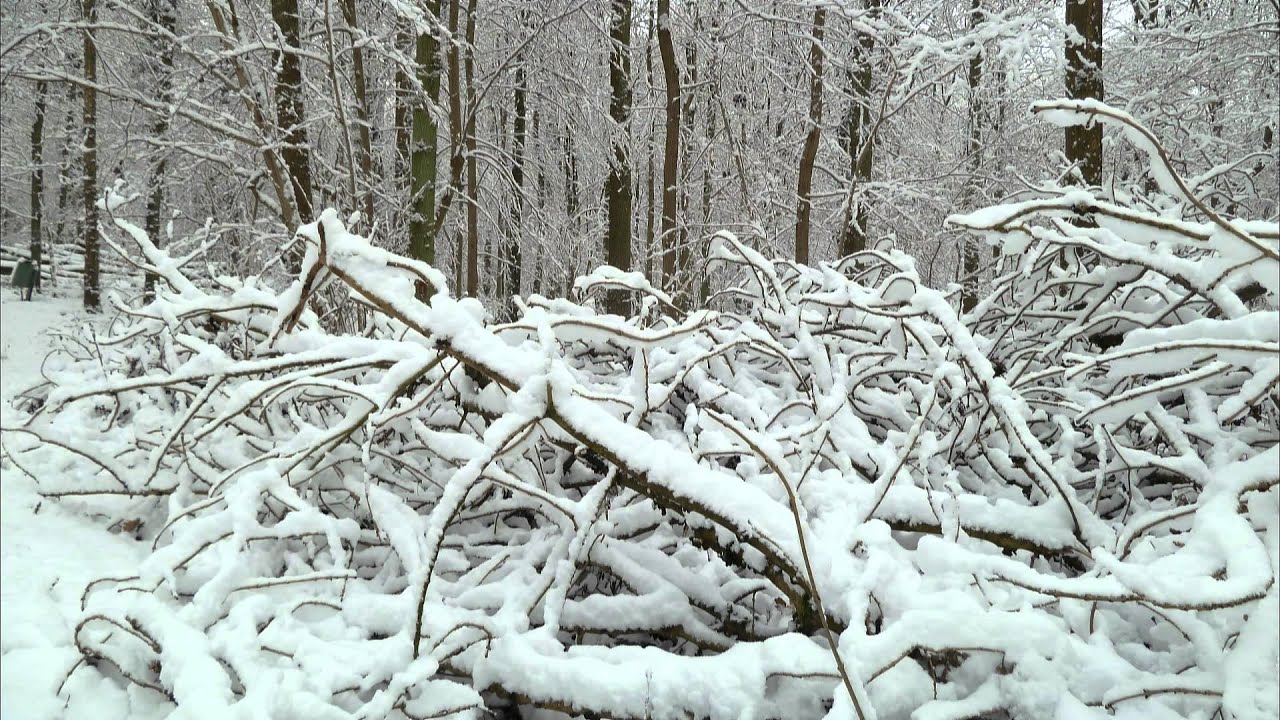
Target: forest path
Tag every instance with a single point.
(48, 555)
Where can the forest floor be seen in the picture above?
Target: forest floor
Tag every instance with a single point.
(49, 554)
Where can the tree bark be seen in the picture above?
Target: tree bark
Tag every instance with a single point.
(473, 183)
(271, 156)
(457, 157)
(1084, 82)
(539, 264)
(1146, 13)
(163, 13)
(689, 120)
(37, 179)
(570, 203)
(861, 144)
(422, 151)
(340, 108)
(519, 132)
(66, 181)
(969, 295)
(89, 177)
(362, 109)
(704, 284)
(809, 154)
(404, 102)
(617, 187)
(651, 151)
(291, 115)
(671, 148)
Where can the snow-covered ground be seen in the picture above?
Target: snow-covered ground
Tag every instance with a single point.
(48, 555)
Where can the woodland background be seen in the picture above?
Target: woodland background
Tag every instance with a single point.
(519, 144)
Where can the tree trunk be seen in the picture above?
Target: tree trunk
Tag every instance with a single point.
(164, 13)
(651, 203)
(861, 145)
(671, 149)
(682, 284)
(66, 182)
(969, 296)
(37, 179)
(473, 184)
(651, 212)
(570, 204)
(809, 153)
(518, 138)
(89, 178)
(404, 103)
(617, 187)
(228, 27)
(539, 264)
(340, 112)
(497, 253)
(422, 152)
(457, 157)
(1147, 13)
(1084, 82)
(291, 116)
(362, 109)
(704, 285)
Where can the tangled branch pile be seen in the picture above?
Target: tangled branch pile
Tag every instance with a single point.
(840, 499)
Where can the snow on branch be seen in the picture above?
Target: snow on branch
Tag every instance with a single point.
(846, 499)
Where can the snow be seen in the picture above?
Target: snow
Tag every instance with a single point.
(24, 341)
(49, 555)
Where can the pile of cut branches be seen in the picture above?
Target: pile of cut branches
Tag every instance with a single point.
(842, 498)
